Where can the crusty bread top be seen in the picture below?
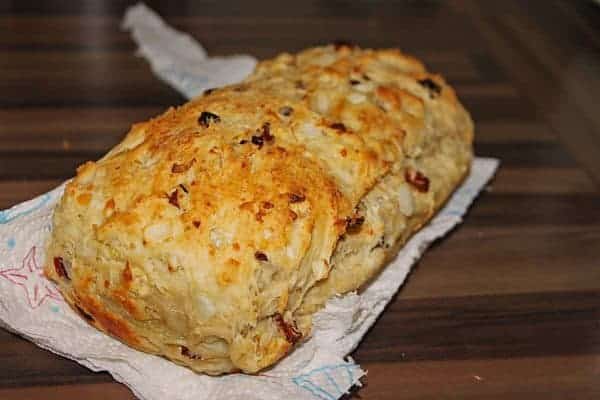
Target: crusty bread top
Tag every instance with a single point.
(206, 226)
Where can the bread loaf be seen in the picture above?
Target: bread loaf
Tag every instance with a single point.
(213, 232)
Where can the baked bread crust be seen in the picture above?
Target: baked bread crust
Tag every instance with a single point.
(213, 232)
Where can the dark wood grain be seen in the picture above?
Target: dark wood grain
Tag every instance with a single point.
(506, 307)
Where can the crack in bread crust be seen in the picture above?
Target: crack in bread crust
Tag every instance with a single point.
(213, 232)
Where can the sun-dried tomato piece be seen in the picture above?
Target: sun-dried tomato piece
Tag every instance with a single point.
(258, 140)
(265, 135)
(260, 256)
(59, 267)
(266, 132)
(291, 332)
(296, 198)
(174, 198)
(338, 126)
(206, 118)
(417, 180)
(433, 87)
(187, 353)
(354, 223)
(179, 168)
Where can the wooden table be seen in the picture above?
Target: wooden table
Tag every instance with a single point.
(506, 307)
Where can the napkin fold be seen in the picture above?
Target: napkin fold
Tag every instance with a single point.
(320, 368)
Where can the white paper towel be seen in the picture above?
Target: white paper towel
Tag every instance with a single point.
(319, 369)
(178, 59)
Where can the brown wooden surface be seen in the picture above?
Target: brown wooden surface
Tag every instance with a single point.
(506, 307)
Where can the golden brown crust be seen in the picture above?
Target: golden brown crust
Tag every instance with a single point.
(211, 233)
